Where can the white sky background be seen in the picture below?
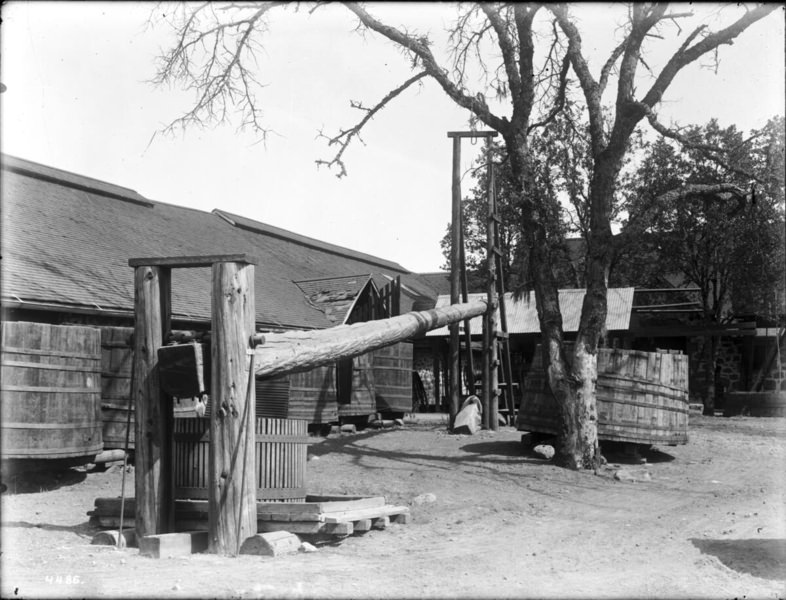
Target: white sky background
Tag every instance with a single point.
(77, 99)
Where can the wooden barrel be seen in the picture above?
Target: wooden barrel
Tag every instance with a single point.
(51, 391)
(312, 395)
(117, 358)
(281, 446)
(393, 378)
(642, 397)
(755, 404)
(272, 397)
(361, 398)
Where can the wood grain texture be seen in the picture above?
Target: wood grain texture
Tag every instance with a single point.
(231, 481)
(297, 351)
(153, 409)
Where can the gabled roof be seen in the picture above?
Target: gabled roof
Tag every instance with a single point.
(67, 240)
(522, 315)
(335, 296)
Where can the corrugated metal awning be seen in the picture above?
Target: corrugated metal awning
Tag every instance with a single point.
(522, 315)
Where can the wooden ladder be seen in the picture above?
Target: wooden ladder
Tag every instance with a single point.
(499, 336)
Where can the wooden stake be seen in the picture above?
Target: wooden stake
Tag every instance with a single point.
(154, 477)
(231, 475)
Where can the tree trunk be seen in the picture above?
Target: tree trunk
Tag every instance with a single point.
(573, 385)
(577, 442)
(710, 358)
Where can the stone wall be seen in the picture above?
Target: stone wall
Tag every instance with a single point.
(732, 362)
(729, 362)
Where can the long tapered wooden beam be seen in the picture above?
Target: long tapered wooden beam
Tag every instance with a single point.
(296, 351)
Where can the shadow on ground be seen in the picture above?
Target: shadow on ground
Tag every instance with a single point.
(41, 481)
(762, 558)
(509, 448)
(615, 452)
(83, 529)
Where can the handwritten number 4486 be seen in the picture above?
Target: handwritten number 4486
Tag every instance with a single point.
(63, 579)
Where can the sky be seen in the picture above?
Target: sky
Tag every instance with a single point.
(79, 98)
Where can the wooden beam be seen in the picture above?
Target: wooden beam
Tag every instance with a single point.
(154, 476)
(173, 262)
(231, 457)
(472, 134)
(296, 351)
(454, 387)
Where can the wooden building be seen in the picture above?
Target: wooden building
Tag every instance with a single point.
(66, 241)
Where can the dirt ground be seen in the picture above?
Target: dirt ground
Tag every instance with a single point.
(703, 520)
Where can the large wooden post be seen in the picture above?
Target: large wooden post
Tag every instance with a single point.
(154, 477)
(455, 271)
(490, 351)
(486, 389)
(232, 515)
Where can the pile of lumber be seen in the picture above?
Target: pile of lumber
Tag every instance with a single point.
(329, 515)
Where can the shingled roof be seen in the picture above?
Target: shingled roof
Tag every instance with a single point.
(67, 240)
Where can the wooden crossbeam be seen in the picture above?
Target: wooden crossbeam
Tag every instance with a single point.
(295, 351)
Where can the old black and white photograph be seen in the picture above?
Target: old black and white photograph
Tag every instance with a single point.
(392, 300)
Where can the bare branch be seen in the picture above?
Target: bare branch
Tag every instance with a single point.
(223, 79)
(716, 192)
(506, 47)
(345, 136)
(714, 153)
(606, 70)
(559, 102)
(592, 91)
(420, 49)
(689, 53)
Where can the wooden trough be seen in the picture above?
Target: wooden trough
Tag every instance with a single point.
(642, 398)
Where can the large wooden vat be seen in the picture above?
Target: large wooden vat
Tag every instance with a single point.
(51, 391)
(359, 400)
(393, 378)
(281, 446)
(642, 398)
(312, 395)
(117, 358)
(755, 404)
(272, 397)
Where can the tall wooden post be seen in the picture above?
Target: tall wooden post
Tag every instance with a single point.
(486, 389)
(491, 296)
(435, 355)
(455, 271)
(467, 322)
(154, 477)
(232, 515)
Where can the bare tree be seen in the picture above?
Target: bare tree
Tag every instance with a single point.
(213, 54)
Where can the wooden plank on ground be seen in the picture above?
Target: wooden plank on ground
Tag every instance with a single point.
(312, 527)
(168, 545)
(362, 525)
(365, 513)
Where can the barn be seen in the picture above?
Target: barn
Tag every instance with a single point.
(67, 239)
